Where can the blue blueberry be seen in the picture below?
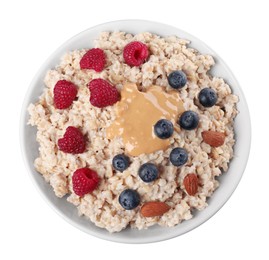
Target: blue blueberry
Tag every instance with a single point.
(163, 129)
(178, 156)
(120, 162)
(208, 97)
(148, 172)
(189, 120)
(177, 79)
(129, 199)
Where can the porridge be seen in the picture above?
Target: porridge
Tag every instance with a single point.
(135, 131)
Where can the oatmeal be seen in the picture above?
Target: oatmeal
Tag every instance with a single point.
(156, 174)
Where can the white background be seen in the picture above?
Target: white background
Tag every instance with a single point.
(32, 30)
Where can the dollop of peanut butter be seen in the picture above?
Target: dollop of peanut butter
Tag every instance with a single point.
(136, 114)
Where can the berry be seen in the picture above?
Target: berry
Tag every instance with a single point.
(93, 59)
(177, 79)
(120, 162)
(163, 129)
(65, 93)
(208, 97)
(135, 53)
(73, 141)
(84, 180)
(148, 172)
(129, 199)
(178, 156)
(189, 120)
(102, 93)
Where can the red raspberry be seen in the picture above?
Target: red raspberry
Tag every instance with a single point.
(64, 94)
(73, 141)
(93, 59)
(84, 180)
(102, 93)
(135, 53)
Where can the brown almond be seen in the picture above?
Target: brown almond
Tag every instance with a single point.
(154, 209)
(191, 184)
(213, 138)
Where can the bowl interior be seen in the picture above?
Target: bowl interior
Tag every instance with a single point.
(228, 181)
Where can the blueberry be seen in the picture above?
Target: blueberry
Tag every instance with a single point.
(129, 199)
(148, 172)
(177, 79)
(178, 156)
(189, 120)
(208, 97)
(163, 129)
(120, 162)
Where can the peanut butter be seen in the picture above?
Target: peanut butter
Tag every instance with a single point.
(137, 112)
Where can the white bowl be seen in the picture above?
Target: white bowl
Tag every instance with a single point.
(228, 181)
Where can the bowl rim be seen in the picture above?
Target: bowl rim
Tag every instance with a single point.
(108, 236)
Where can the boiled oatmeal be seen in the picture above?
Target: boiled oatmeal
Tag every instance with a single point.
(134, 131)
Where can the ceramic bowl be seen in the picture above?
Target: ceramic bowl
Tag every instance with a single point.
(228, 181)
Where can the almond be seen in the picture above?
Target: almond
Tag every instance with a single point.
(191, 184)
(154, 209)
(214, 154)
(213, 138)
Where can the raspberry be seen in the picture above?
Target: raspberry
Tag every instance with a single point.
(135, 53)
(102, 93)
(73, 141)
(93, 59)
(64, 94)
(84, 180)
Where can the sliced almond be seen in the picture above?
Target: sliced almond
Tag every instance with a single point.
(213, 138)
(154, 209)
(214, 154)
